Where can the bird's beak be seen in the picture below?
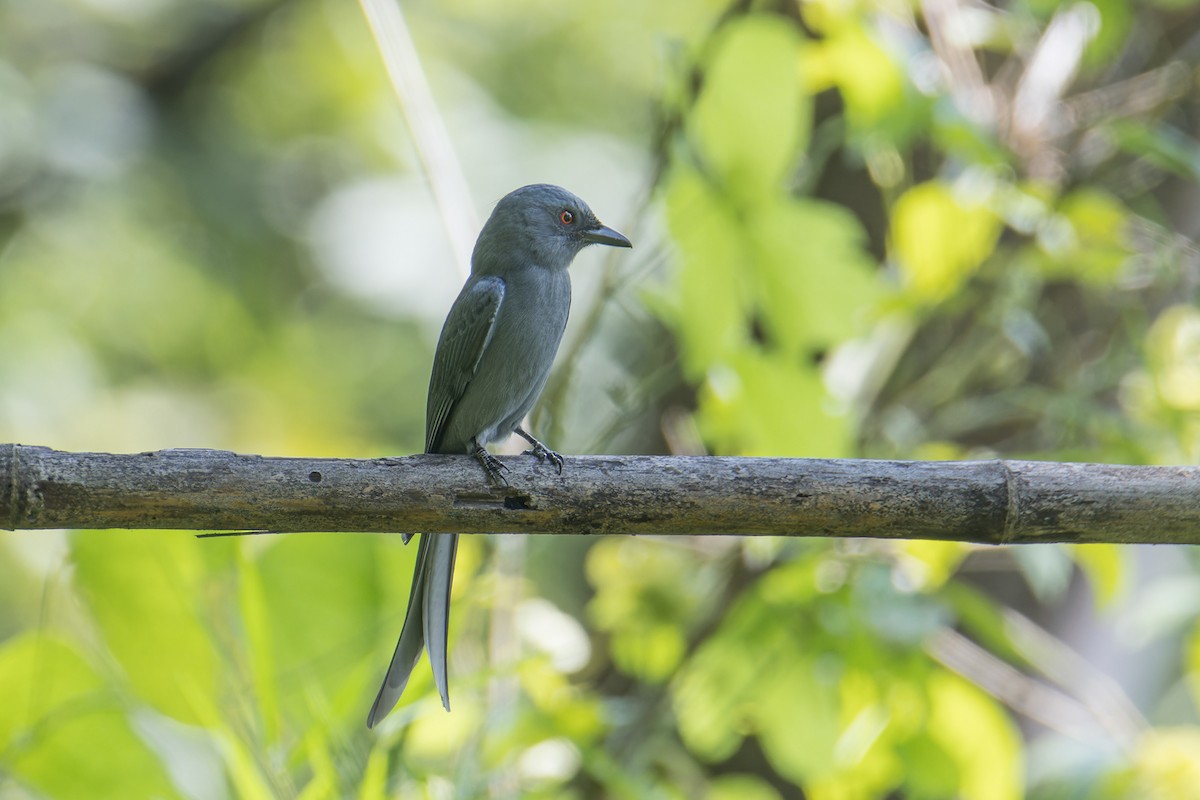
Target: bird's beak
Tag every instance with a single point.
(605, 235)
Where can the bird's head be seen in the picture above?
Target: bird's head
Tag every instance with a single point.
(542, 225)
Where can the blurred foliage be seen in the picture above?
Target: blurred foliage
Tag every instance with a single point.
(937, 230)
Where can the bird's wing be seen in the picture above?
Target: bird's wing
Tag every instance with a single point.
(465, 336)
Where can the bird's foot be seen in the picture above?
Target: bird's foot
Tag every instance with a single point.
(491, 464)
(545, 454)
(540, 450)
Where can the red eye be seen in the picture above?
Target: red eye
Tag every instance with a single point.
(566, 217)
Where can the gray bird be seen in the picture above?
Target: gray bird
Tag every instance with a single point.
(492, 360)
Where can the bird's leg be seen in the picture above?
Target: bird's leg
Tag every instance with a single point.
(490, 463)
(540, 450)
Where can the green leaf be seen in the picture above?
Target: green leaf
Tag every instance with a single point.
(938, 242)
(766, 404)
(750, 119)
(1091, 245)
(814, 275)
(1192, 661)
(256, 619)
(63, 733)
(640, 604)
(709, 319)
(242, 764)
(740, 787)
(930, 773)
(980, 739)
(982, 619)
(797, 713)
(324, 781)
(1173, 354)
(1105, 567)
(715, 693)
(929, 564)
(374, 780)
(1160, 144)
(1116, 19)
(754, 676)
(1165, 763)
(145, 589)
(871, 83)
(319, 599)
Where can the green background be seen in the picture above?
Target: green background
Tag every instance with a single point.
(938, 230)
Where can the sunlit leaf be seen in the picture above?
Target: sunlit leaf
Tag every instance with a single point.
(715, 696)
(564, 709)
(258, 624)
(1116, 21)
(930, 771)
(641, 606)
(740, 787)
(242, 766)
(989, 760)
(1173, 353)
(797, 716)
(712, 288)
(435, 737)
(41, 673)
(1106, 568)
(750, 119)
(929, 564)
(1090, 241)
(324, 781)
(864, 755)
(64, 733)
(937, 241)
(770, 405)
(146, 590)
(374, 780)
(870, 81)
(816, 280)
(319, 601)
(1165, 764)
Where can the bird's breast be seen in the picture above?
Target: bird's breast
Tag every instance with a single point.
(514, 367)
(529, 328)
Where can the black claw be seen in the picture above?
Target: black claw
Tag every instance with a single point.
(492, 465)
(544, 453)
(540, 450)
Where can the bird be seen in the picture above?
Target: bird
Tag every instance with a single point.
(492, 360)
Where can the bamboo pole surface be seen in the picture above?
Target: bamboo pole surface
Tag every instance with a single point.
(992, 502)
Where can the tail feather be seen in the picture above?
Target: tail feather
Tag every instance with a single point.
(427, 620)
(438, 577)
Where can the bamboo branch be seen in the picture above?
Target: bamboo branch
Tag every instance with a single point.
(991, 502)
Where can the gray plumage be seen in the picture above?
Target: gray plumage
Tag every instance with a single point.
(492, 360)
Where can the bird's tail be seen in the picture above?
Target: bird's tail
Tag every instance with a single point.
(426, 623)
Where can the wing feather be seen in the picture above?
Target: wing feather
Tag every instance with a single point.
(465, 336)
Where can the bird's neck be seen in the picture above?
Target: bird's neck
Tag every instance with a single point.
(497, 256)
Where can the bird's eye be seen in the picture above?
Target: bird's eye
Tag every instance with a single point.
(566, 217)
